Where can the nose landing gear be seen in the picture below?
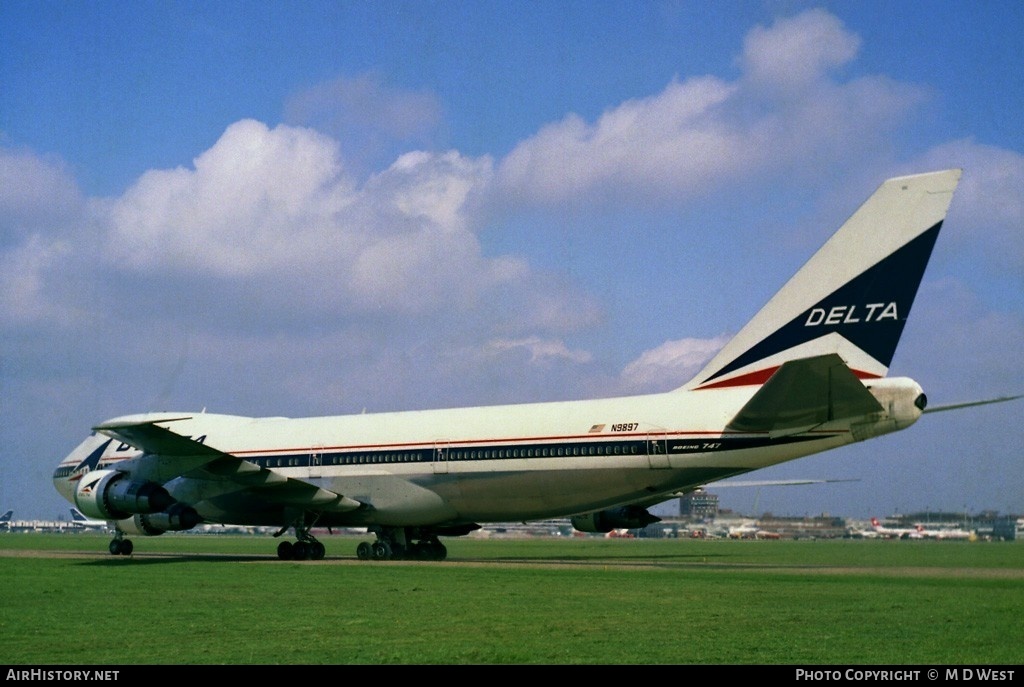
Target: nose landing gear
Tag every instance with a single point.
(120, 545)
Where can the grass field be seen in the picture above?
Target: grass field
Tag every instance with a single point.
(228, 600)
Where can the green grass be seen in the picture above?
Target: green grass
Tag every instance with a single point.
(227, 600)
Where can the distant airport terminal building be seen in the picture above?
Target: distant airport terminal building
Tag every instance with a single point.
(699, 505)
(1008, 528)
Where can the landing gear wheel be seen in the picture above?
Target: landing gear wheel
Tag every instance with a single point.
(364, 551)
(307, 548)
(121, 547)
(381, 551)
(436, 551)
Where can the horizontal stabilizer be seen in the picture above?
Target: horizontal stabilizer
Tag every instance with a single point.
(970, 404)
(776, 483)
(803, 394)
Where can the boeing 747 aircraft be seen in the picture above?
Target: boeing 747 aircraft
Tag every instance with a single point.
(79, 520)
(807, 374)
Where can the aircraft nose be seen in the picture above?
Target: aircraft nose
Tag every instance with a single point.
(85, 457)
(62, 481)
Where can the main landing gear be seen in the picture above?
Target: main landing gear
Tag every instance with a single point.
(307, 548)
(393, 544)
(311, 550)
(399, 543)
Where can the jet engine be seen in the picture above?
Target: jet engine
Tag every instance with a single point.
(623, 517)
(112, 495)
(175, 519)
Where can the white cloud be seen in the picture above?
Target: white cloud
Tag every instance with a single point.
(785, 112)
(638, 143)
(988, 208)
(259, 200)
(541, 351)
(274, 206)
(35, 194)
(44, 220)
(670, 365)
(436, 188)
(23, 272)
(795, 52)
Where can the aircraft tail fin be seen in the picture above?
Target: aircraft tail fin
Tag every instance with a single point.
(77, 515)
(852, 297)
(6, 517)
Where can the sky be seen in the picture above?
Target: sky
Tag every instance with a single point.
(316, 208)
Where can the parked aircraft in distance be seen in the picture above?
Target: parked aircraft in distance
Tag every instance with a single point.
(79, 520)
(9, 524)
(747, 530)
(855, 531)
(806, 374)
(929, 532)
(914, 532)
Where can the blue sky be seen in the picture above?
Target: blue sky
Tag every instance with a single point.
(271, 208)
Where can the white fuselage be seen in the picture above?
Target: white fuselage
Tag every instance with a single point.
(487, 464)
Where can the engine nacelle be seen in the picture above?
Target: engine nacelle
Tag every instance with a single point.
(112, 495)
(623, 517)
(175, 519)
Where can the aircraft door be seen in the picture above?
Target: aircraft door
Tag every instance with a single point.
(316, 460)
(440, 461)
(657, 449)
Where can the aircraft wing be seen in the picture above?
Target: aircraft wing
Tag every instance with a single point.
(185, 456)
(803, 394)
(150, 437)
